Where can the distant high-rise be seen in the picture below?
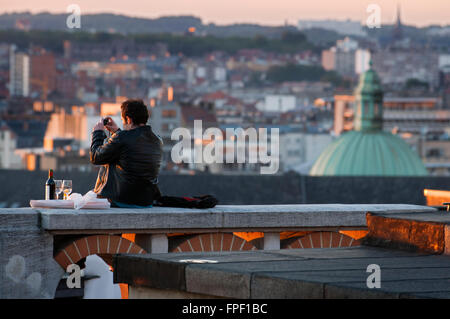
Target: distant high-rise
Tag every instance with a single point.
(341, 57)
(42, 72)
(19, 73)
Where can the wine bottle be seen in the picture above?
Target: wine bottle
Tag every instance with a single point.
(50, 186)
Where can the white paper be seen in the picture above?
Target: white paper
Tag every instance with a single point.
(54, 203)
(89, 199)
(77, 201)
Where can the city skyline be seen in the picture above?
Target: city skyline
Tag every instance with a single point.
(413, 12)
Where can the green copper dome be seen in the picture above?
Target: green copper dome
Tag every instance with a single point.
(357, 153)
(368, 150)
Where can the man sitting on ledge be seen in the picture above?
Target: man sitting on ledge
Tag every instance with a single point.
(130, 159)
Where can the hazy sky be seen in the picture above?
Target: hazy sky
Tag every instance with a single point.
(274, 12)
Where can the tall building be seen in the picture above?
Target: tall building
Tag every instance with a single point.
(8, 145)
(343, 113)
(164, 118)
(19, 73)
(362, 59)
(368, 150)
(328, 62)
(341, 57)
(43, 72)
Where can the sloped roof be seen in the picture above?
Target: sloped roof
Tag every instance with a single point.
(218, 95)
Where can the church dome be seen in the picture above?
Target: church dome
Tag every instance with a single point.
(368, 150)
(357, 153)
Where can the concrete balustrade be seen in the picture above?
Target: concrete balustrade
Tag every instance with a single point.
(230, 218)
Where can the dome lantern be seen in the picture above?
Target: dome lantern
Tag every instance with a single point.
(368, 102)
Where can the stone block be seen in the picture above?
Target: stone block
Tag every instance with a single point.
(415, 232)
(272, 287)
(345, 292)
(142, 270)
(216, 281)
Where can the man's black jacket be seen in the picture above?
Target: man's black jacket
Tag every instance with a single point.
(130, 165)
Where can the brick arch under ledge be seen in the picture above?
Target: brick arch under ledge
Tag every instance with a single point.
(106, 245)
(321, 239)
(209, 242)
(75, 250)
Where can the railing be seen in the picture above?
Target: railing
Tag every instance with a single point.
(152, 225)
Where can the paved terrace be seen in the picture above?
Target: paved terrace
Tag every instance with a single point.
(36, 245)
(324, 273)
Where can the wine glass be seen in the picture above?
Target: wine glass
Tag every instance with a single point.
(58, 187)
(67, 188)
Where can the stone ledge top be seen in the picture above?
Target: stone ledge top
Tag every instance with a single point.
(293, 273)
(221, 217)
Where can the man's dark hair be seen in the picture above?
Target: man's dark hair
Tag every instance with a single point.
(136, 110)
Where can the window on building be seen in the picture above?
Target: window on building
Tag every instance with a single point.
(434, 152)
(166, 127)
(376, 109)
(169, 113)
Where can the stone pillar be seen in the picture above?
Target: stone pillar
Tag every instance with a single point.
(271, 241)
(153, 243)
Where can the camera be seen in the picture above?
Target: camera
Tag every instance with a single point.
(105, 121)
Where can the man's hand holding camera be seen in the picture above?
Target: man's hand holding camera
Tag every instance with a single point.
(106, 123)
